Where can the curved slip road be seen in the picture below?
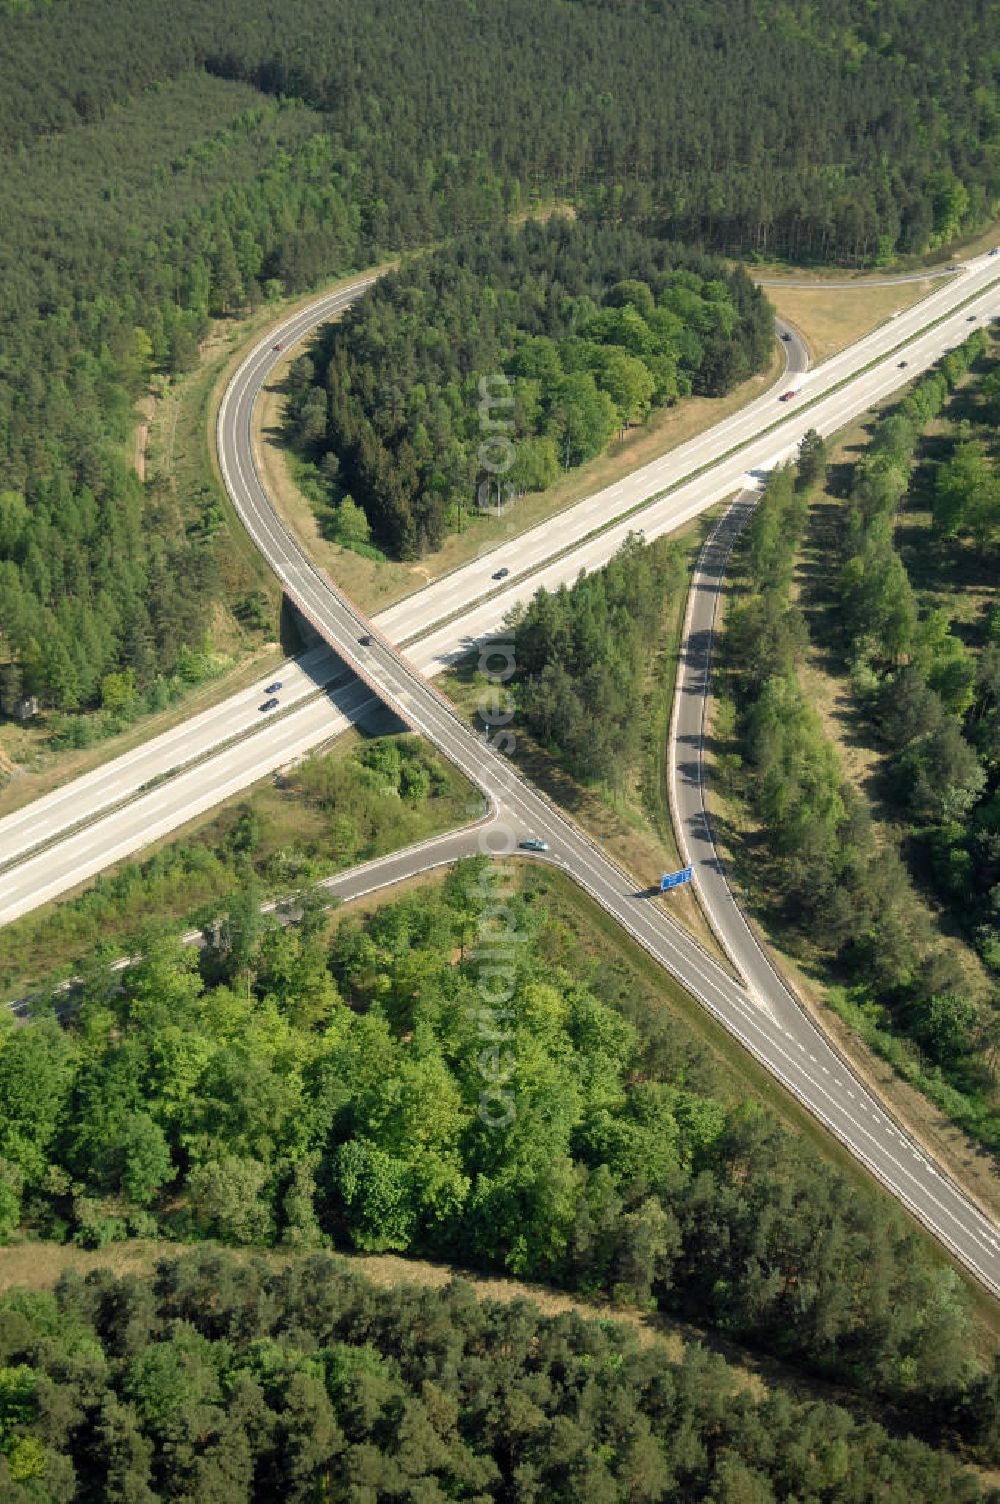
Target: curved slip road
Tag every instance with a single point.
(342, 887)
(778, 1035)
(106, 816)
(685, 759)
(769, 1024)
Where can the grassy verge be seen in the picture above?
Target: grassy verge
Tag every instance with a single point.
(329, 813)
(941, 260)
(587, 938)
(592, 944)
(968, 1163)
(35, 770)
(38, 1266)
(178, 454)
(830, 319)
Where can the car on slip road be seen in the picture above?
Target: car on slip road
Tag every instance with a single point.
(532, 843)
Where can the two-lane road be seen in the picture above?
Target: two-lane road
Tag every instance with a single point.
(668, 491)
(66, 837)
(688, 799)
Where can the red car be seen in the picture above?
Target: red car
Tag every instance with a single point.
(279, 345)
(786, 396)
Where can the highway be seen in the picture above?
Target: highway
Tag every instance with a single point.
(59, 812)
(373, 876)
(140, 819)
(440, 623)
(770, 1025)
(66, 837)
(765, 1020)
(681, 484)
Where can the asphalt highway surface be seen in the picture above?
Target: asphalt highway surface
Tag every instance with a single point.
(84, 797)
(688, 797)
(355, 882)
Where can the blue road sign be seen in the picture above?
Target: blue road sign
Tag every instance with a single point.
(674, 879)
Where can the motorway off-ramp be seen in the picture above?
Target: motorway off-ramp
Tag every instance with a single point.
(75, 832)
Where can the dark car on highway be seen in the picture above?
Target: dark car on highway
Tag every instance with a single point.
(533, 844)
(365, 641)
(270, 704)
(272, 689)
(501, 574)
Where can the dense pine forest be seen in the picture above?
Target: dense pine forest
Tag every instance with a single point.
(292, 1091)
(164, 167)
(126, 238)
(844, 130)
(555, 335)
(928, 675)
(229, 1382)
(334, 810)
